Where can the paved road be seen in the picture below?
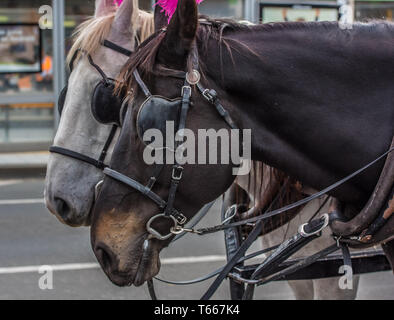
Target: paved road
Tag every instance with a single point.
(30, 237)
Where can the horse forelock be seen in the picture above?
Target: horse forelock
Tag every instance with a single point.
(89, 35)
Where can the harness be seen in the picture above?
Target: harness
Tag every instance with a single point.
(274, 267)
(267, 271)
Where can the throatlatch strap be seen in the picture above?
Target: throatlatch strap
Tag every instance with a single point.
(212, 98)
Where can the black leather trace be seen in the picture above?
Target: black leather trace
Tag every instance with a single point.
(155, 112)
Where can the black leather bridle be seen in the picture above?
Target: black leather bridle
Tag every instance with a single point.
(191, 78)
(99, 162)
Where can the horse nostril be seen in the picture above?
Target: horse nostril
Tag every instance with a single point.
(62, 209)
(105, 257)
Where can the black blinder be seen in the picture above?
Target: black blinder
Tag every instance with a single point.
(155, 112)
(105, 105)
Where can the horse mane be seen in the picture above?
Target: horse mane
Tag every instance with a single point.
(145, 56)
(219, 29)
(267, 189)
(89, 35)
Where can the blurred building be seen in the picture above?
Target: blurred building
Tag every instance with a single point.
(28, 96)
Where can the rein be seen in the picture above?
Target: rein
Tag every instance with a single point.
(293, 205)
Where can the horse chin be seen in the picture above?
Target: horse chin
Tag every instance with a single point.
(149, 264)
(142, 270)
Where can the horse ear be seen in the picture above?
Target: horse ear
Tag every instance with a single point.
(126, 16)
(160, 18)
(180, 34)
(104, 8)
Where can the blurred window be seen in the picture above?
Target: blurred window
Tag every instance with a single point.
(369, 10)
(29, 121)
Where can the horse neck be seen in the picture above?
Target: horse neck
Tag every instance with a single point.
(303, 94)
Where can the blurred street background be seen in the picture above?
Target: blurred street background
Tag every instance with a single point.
(31, 237)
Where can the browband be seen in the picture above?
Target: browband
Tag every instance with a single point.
(115, 47)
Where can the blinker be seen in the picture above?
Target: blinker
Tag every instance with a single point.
(155, 111)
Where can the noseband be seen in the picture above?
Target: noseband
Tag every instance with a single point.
(191, 78)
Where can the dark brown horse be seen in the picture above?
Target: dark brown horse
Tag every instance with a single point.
(318, 99)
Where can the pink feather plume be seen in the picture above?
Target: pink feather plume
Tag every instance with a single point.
(118, 2)
(169, 6)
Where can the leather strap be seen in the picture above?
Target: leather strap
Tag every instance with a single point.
(177, 170)
(141, 84)
(285, 250)
(216, 272)
(99, 70)
(347, 258)
(253, 235)
(77, 156)
(115, 47)
(300, 265)
(212, 98)
(384, 214)
(74, 57)
(151, 290)
(135, 185)
(107, 144)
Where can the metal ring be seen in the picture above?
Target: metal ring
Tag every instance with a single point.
(233, 208)
(156, 234)
(193, 77)
(302, 232)
(176, 230)
(97, 188)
